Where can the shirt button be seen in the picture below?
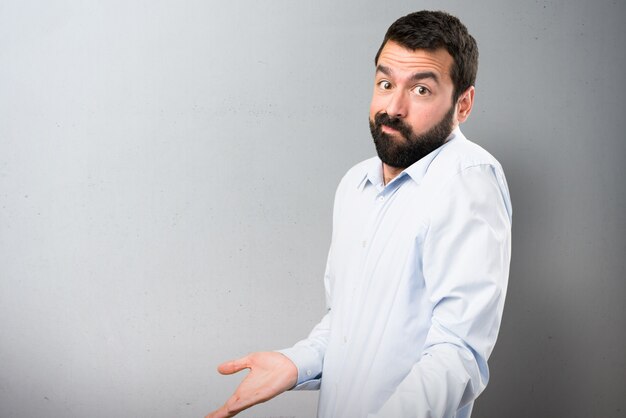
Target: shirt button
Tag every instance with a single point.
(364, 243)
(381, 198)
(308, 372)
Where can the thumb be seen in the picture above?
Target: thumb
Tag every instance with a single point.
(234, 366)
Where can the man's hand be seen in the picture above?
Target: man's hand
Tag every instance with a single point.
(270, 374)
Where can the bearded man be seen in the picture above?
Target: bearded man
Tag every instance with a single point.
(419, 260)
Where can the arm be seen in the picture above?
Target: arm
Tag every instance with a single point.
(466, 263)
(308, 354)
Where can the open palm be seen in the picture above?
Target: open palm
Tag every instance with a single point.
(271, 374)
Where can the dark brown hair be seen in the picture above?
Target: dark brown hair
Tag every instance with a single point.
(431, 30)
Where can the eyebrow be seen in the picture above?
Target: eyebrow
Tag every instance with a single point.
(414, 77)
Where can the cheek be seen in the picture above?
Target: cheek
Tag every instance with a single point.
(422, 119)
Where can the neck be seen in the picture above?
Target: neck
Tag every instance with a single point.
(390, 173)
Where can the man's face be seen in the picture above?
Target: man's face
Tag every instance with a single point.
(411, 113)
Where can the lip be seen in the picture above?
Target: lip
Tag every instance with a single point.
(389, 130)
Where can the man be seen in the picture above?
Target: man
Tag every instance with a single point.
(418, 266)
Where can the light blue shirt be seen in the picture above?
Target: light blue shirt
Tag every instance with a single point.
(415, 286)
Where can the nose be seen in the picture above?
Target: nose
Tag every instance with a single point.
(397, 106)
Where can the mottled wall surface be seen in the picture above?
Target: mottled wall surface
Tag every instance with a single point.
(167, 172)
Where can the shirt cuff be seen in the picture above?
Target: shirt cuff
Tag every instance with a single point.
(309, 366)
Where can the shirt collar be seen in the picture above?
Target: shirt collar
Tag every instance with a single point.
(417, 171)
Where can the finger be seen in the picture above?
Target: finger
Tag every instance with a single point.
(228, 410)
(232, 407)
(219, 413)
(234, 366)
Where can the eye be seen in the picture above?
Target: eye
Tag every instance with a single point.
(421, 91)
(384, 85)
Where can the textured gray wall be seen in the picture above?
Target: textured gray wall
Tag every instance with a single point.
(166, 179)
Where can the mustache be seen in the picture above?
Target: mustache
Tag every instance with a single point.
(394, 123)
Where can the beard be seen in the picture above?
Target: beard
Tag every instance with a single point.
(403, 152)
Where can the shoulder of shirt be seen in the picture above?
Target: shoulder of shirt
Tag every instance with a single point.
(461, 158)
(460, 155)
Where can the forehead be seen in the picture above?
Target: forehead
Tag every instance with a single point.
(400, 59)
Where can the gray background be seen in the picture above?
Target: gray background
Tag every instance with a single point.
(167, 171)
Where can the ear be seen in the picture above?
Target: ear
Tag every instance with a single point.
(464, 105)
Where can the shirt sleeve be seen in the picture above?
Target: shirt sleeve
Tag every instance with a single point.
(466, 261)
(308, 354)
